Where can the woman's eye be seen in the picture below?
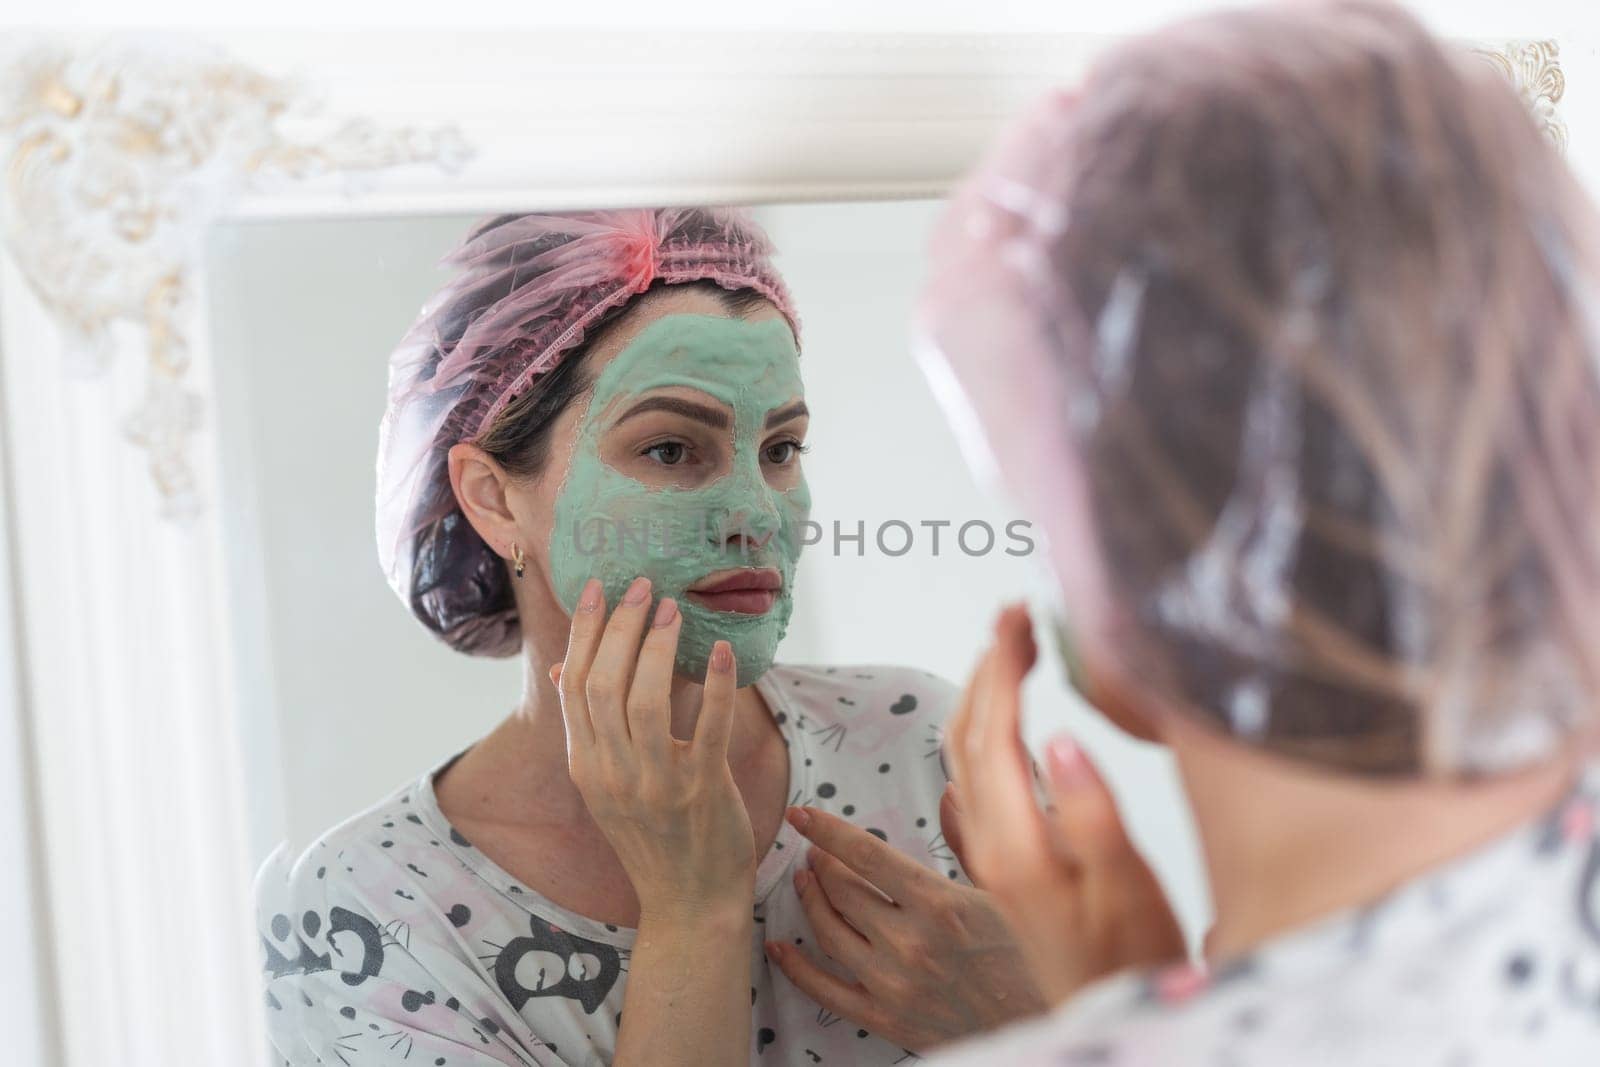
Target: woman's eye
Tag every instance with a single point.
(667, 453)
(783, 452)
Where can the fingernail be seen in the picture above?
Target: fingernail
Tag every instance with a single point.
(775, 948)
(555, 674)
(638, 592)
(802, 881)
(591, 598)
(666, 611)
(799, 818)
(1013, 612)
(1067, 765)
(722, 657)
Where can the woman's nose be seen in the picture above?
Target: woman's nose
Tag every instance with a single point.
(752, 516)
(747, 529)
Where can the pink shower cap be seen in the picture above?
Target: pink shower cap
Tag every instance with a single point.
(529, 289)
(1282, 329)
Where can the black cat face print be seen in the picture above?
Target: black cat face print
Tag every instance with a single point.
(550, 962)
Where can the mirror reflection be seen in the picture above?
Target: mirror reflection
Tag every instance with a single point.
(718, 401)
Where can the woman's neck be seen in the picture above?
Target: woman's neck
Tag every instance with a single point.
(524, 756)
(513, 796)
(1285, 844)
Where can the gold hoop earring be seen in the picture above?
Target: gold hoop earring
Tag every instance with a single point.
(517, 560)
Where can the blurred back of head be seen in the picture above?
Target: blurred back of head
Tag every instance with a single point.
(1316, 295)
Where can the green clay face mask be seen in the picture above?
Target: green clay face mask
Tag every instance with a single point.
(612, 526)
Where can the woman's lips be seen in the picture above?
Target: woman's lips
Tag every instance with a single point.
(743, 601)
(746, 591)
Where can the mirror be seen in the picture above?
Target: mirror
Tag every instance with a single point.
(338, 696)
(350, 698)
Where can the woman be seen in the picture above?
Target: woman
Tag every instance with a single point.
(591, 459)
(1304, 307)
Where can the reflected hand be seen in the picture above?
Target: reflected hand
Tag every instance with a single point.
(1082, 900)
(932, 960)
(669, 808)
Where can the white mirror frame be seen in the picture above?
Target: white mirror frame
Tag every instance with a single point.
(127, 749)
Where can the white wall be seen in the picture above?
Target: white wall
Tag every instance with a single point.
(346, 690)
(924, 16)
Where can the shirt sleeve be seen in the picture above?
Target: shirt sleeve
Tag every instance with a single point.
(345, 986)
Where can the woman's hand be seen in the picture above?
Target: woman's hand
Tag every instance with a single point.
(674, 816)
(931, 960)
(1082, 900)
(669, 808)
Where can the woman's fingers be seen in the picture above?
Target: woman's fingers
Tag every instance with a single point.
(588, 623)
(848, 999)
(874, 859)
(998, 789)
(834, 935)
(716, 706)
(957, 726)
(997, 705)
(950, 824)
(1083, 810)
(611, 672)
(1119, 895)
(650, 697)
(858, 901)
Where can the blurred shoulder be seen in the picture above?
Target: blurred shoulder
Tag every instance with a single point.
(1091, 1027)
(300, 890)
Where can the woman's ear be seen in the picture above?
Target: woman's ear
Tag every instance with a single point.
(480, 485)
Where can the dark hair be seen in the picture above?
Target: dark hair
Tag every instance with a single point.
(457, 579)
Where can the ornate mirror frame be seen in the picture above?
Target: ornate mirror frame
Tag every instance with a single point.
(127, 751)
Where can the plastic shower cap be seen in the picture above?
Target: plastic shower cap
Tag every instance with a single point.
(528, 290)
(1282, 329)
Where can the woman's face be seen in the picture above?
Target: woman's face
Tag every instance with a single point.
(683, 465)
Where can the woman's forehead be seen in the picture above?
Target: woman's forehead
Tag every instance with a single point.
(661, 303)
(735, 360)
(712, 406)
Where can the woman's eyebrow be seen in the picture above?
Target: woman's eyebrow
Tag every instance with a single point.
(715, 418)
(793, 411)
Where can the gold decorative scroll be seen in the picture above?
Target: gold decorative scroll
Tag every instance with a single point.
(1534, 69)
(118, 158)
